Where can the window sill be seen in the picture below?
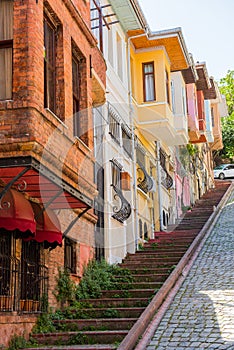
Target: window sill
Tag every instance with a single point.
(57, 118)
(78, 140)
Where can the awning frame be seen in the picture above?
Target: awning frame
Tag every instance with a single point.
(29, 163)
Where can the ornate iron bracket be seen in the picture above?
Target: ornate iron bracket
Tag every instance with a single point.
(146, 182)
(123, 213)
(167, 180)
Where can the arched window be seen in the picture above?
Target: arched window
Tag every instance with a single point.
(164, 219)
(140, 229)
(145, 231)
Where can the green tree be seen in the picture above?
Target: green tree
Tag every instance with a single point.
(228, 136)
(226, 87)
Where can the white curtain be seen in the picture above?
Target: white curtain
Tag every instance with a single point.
(149, 82)
(6, 33)
(149, 88)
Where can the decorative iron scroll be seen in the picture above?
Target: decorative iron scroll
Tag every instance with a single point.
(146, 182)
(123, 213)
(167, 180)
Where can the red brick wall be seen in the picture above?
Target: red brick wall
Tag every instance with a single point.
(26, 128)
(13, 324)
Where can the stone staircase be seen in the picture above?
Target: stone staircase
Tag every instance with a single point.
(109, 318)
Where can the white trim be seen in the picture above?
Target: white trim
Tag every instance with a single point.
(57, 118)
(83, 144)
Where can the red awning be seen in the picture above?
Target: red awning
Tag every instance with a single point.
(40, 183)
(48, 229)
(16, 213)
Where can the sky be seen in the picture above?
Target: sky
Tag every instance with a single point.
(207, 27)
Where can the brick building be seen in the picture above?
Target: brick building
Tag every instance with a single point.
(52, 74)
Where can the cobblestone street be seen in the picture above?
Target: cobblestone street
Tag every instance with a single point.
(201, 315)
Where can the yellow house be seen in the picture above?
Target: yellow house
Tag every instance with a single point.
(153, 58)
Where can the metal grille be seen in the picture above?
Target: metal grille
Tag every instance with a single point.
(33, 277)
(23, 278)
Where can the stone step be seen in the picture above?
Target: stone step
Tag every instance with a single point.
(163, 248)
(116, 302)
(154, 261)
(142, 270)
(77, 347)
(90, 324)
(147, 285)
(151, 277)
(150, 264)
(79, 338)
(155, 253)
(112, 313)
(130, 293)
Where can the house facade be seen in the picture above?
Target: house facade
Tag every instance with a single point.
(53, 75)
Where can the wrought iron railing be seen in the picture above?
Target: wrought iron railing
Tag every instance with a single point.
(145, 182)
(22, 290)
(122, 211)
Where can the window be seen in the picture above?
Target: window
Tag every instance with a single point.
(6, 48)
(96, 21)
(30, 270)
(148, 81)
(140, 155)
(110, 47)
(70, 255)
(116, 173)
(212, 117)
(5, 263)
(173, 96)
(79, 84)
(127, 140)
(49, 66)
(114, 125)
(140, 229)
(76, 94)
(167, 87)
(184, 101)
(119, 56)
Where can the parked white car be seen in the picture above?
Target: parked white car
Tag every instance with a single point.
(223, 171)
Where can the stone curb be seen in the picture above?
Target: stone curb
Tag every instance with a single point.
(140, 327)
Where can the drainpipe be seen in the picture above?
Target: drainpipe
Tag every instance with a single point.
(131, 114)
(159, 185)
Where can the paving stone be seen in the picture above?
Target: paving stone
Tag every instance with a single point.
(202, 313)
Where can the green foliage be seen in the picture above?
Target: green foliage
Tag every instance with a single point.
(228, 136)
(192, 149)
(111, 313)
(100, 276)
(65, 288)
(44, 324)
(140, 246)
(78, 339)
(17, 342)
(226, 87)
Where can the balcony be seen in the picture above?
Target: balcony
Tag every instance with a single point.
(156, 122)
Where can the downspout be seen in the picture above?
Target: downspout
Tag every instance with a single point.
(159, 185)
(131, 114)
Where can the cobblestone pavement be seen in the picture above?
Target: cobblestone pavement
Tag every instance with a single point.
(201, 315)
